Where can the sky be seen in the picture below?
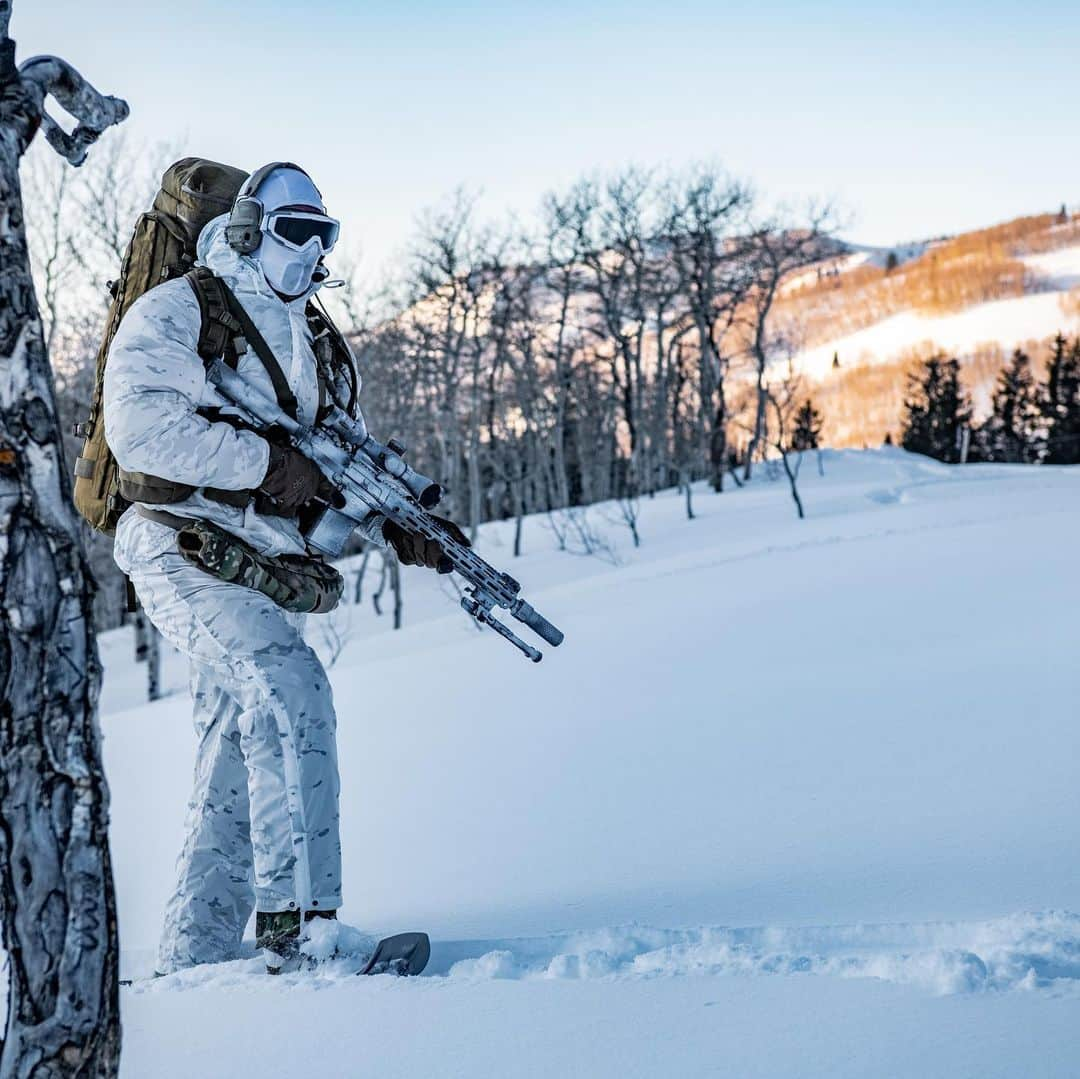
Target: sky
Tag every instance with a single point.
(916, 118)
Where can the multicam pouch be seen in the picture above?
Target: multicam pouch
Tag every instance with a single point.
(295, 583)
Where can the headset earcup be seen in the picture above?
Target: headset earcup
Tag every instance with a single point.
(242, 231)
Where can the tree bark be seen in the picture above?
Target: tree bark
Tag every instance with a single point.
(59, 910)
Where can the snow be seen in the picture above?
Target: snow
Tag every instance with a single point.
(792, 798)
(851, 258)
(1005, 323)
(1060, 268)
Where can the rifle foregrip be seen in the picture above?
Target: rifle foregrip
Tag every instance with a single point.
(526, 613)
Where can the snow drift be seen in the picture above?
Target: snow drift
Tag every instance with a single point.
(787, 790)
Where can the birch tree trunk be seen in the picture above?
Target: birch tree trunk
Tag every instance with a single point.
(59, 911)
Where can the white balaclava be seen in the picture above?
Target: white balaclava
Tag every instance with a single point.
(296, 231)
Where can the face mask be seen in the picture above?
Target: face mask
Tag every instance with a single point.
(293, 243)
(287, 270)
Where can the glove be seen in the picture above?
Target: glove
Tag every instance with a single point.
(290, 481)
(412, 549)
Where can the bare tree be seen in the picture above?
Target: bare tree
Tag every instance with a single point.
(335, 631)
(148, 651)
(48, 184)
(78, 226)
(588, 362)
(390, 573)
(153, 665)
(703, 218)
(117, 186)
(442, 318)
(782, 400)
(775, 251)
(59, 909)
(630, 510)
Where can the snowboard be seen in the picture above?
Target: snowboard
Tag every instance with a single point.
(404, 954)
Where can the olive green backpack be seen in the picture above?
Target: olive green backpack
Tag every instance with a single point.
(193, 192)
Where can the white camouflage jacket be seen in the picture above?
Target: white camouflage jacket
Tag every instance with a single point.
(155, 381)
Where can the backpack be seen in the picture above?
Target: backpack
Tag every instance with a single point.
(193, 192)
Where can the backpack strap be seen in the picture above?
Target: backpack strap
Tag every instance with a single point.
(333, 356)
(218, 327)
(223, 320)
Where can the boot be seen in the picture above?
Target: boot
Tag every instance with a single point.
(277, 935)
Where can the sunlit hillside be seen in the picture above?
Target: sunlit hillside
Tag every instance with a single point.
(855, 325)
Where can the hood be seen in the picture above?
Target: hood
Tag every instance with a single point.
(240, 272)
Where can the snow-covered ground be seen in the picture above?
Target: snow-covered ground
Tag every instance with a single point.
(853, 256)
(794, 798)
(1007, 323)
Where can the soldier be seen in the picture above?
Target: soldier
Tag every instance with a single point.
(263, 819)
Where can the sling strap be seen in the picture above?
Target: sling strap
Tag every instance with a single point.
(223, 321)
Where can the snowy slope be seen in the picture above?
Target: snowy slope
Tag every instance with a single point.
(793, 798)
(1006, 323)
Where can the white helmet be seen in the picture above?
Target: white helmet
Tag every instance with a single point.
(280, 220)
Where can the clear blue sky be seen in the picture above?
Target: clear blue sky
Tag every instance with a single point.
(919, 117)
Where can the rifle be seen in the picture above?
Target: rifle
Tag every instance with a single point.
(367, 476)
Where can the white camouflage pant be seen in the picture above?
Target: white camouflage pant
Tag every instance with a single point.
(262, 825)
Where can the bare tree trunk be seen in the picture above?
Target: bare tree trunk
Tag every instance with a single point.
(395, 584)
(718, 446)
(142, 635)
(59, 909)
(517, 493)
(358, 586)
(153, 665)
(148, 651)
(688, 488)
(784, 409)
(793, 480)
(759, 422)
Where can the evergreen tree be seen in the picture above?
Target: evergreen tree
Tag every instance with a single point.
(807, 432)
(1011, 433)
(1061, 404)
(936, 410)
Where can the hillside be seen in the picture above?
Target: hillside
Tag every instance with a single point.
(771, 804)
(977, 296)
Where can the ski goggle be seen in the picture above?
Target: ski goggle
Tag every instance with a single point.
(296, 229)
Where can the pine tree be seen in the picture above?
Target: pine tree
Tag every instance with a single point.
(1011, 433)
(937, 410)
(1061, 404)
(807, 432)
